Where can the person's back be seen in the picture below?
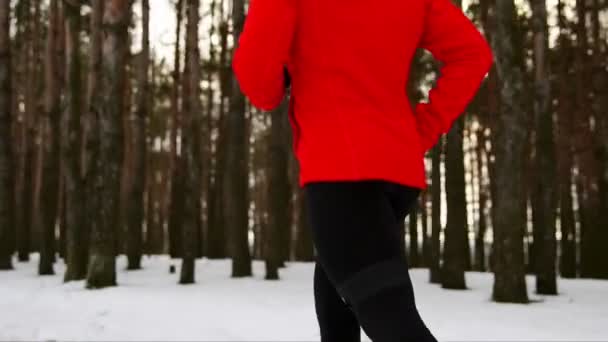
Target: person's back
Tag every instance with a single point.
(349, 64)
(359, 141)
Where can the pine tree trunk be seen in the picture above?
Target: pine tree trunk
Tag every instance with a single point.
(304, 247)
(176, 201)
(510, 134)
(191, 158)
(278, 191)
(545, 186)
(76, 251)
(600, 105)
(435, 269)
(590, 202)
(50, 173)
(218, 228)
(6, 158)
(102, 266)
(235, 180)
(24, 167)
(135, 205)
(480, 255)
(456, 241)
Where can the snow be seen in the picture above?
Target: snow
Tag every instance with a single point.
(149, 305)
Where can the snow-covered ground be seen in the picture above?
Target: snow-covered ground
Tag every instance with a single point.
(149, 305)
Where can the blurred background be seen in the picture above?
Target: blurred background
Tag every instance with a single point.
(130, 159)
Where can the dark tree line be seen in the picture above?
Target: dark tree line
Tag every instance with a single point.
(107, 150)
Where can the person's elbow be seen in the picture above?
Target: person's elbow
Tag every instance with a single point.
(266, 101)
(263, 94)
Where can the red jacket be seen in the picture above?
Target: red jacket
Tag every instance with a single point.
(349, 62)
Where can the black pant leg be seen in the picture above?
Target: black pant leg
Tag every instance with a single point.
(337, 321)
(356, 234)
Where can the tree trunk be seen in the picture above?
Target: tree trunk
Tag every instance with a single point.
(510, 134)
(545, 186)
(593, 218)
(456, 241)
(50, 173)
(176, 201)
(76, 234)
(135, 205)
(191, 157)
(304, 248)
(435, 269)
(6, 158)
(217, 226)
(278, 191)
(235, 180)
(102, 266)
(599, 82)
(480, 255)
(25, 166)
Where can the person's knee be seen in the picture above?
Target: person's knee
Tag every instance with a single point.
(382, 297)
(373, 279)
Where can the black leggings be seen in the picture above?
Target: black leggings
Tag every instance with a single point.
(361, 277)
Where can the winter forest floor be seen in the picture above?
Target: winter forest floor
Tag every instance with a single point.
(148, 305)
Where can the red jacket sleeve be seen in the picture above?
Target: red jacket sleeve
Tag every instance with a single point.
(263, 51)
(466, 58)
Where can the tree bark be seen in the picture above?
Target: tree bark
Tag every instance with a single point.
(102, 266)
(135, 205)
(6, 157)
(76, 234)
(217, 226)
(510, 134)
(176, 201)
(435, 269)
(24, 175)
(585, 154)
(191, 157)
(456, 240)
(278, 191)
(235, 180)
(50, 173)
(545, 186)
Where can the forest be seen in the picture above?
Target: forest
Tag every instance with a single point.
(109, 147)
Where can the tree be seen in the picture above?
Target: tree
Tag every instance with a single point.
(176, 202)
(456, 230)
(565, 112)
(6, 158)
(509, 139)
(102, 266)
(191, 142)
(235, 180)
(28, 20)
(545, 186)
(76, 258)
(593, 218)
(93, 108)
(51, 160)
(435, 270)
(135, 204)
(279, 191)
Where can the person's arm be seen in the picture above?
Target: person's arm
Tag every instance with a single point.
(263, 51)
(466, 57)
